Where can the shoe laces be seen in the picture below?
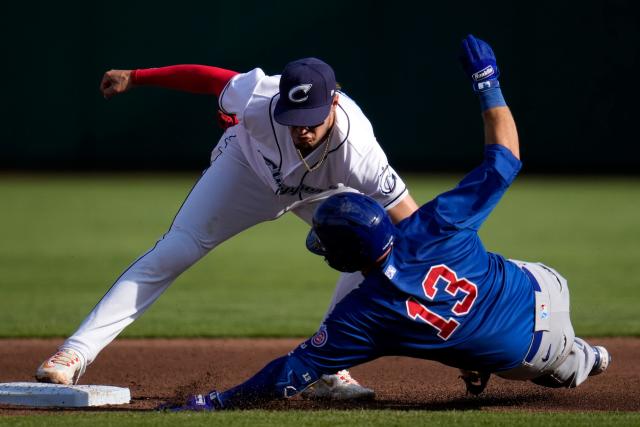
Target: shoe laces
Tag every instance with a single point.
(64, 357)
(346, 378)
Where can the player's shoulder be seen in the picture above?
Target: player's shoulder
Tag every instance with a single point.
(248, 87)
(266, 86)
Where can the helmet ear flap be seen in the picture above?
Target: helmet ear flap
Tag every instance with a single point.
(348, 255)
(338, 264)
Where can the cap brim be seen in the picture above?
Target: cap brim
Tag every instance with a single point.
(314, 245)
(288, 115)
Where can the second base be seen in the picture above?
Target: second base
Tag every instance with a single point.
(62, 396)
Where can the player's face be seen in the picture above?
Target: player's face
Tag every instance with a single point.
(307, 138)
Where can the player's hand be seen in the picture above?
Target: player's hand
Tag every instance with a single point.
(479, 63)
(115, 82)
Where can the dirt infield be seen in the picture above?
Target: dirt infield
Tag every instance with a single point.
(158, 370)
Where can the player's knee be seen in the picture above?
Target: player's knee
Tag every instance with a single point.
(205, 240)
(176, 251)
(190, 238)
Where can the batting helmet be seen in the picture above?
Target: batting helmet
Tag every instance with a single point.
(351, 231)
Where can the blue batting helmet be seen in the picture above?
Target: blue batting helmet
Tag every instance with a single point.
(351, 231)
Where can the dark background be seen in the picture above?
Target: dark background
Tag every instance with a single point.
(569, 72)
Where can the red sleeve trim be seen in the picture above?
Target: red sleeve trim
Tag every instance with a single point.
(188, 78)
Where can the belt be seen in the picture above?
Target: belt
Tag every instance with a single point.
(537, 335)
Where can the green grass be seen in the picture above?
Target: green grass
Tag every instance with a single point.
(64, 239)
(333, 419)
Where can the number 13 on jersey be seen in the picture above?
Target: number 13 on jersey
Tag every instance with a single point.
(445, 327)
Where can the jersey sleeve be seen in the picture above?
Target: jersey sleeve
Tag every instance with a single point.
(469, 204)
(188, 77)
(373, 175)
(237, 93)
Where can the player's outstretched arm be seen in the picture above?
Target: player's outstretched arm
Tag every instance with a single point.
(479, 63)
(192, 78)
(283, 377)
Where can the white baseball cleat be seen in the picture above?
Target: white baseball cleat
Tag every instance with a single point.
(340, 386)
(64, 367)
(603, 360)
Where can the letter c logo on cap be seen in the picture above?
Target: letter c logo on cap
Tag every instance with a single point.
(299, 93)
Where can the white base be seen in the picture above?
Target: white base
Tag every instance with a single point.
(56, 395)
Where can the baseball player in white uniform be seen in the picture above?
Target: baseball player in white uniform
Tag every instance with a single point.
(298, 140)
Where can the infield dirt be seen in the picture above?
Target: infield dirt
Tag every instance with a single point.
(160, 370)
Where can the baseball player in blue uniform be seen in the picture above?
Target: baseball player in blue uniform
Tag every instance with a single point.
(431, 290)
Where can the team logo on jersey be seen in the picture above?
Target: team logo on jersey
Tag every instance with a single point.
(320, 338)
(300, 93)
(484, 73)
(387, 180)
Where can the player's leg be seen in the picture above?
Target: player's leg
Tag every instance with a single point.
(227, 199)
(580, 359)
(561, 359)
(583, 360)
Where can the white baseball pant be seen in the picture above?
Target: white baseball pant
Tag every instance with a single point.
(227, 199)
(559, 358)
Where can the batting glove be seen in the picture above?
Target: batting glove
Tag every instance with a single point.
(479, 63)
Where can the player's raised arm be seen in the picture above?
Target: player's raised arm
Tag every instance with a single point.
(469, 204)
(479, 63)
(189, 78)
(500, 128)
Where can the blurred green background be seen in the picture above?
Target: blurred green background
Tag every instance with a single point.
(66, 238)
(569, 72)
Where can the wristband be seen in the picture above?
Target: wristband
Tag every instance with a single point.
(490, 97)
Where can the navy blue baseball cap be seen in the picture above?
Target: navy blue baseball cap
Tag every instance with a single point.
(307, 87)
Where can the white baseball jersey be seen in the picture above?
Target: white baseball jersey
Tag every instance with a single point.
(213, 213)
(354, 159)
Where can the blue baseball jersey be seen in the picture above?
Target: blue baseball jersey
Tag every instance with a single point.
(439, 295)
(475, 306)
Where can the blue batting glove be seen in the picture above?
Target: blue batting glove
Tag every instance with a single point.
(479, 63)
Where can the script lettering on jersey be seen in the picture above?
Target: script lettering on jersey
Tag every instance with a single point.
(454, 286)
(220, 148)
(284, 189)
